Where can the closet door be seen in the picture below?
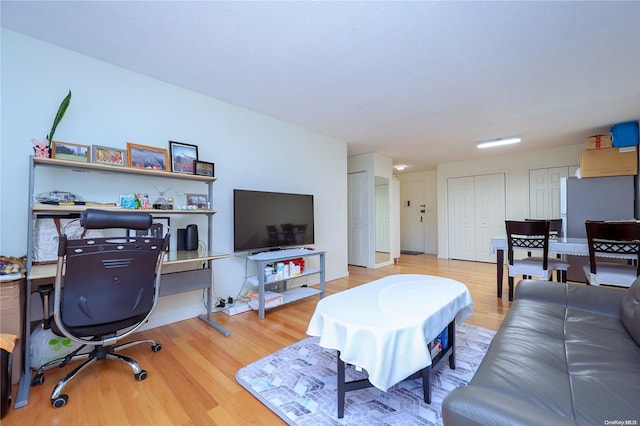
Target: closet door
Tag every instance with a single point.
(476, 213)
(461, 208)
(358, 219)
(490, 213)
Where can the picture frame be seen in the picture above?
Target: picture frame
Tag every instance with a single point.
(147, 157)
(203, 168)
(127, 201)
(111, 156)
(197, 201)
(159, 227)
(70, 151)
(183, 156)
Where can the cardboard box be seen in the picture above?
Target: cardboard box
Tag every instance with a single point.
(11, 318)
(609, 162)
(599, 141)
(271, 300)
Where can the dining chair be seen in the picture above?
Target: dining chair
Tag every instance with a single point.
(613, 240)
(531, 236)
(555, 231)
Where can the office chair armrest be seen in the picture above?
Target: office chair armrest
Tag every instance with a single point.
(101, 219)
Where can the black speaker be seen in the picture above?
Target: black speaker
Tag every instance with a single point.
(181, 239)
(191, 238)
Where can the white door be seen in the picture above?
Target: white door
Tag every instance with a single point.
(476, 213)
(358, 220)
(412, 222)
(383, 223)
(544, 192)
(490, 213)
(461, 215)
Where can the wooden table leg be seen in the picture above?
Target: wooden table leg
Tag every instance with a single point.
(499, 270)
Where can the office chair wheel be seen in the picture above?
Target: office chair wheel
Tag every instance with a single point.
(156, 347)
(59, 401)
(141, 375)
(37, 380)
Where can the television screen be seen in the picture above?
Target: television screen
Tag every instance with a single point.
(269, 220)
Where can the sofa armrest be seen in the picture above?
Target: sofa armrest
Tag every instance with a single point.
(600, 300)
(469, 406)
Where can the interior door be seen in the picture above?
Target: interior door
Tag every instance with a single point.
(461, 215)
(544, 192)
(490, 206)
(412, 222)
(476, 213)
(358, 219)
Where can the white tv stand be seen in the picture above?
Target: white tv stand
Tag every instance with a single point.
(289, 295)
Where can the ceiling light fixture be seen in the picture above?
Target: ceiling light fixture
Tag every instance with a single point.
(499, 142)
(400, 167)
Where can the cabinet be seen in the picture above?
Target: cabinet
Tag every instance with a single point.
(183, 271)
(294, 294)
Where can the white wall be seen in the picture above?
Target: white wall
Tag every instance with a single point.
(111, 106)
(516, 169)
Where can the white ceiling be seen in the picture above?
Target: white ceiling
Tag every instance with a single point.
(421, 82)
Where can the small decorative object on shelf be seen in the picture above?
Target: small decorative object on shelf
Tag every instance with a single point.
(162, 203)
(41, 148)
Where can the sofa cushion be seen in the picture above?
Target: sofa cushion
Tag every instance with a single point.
(630, 312)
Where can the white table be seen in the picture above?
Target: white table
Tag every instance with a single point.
(385, 326)
(559, 245)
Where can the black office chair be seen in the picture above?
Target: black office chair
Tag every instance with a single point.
(105, 289)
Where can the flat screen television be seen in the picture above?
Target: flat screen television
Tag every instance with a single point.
(271, 220)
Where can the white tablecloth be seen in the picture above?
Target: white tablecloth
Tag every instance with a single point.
(385, 326)
(561, 245)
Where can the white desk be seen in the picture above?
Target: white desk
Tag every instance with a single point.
(385, 326)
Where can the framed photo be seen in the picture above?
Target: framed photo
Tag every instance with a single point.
(159, 228)
(183, 156)
(197, 201)
(70, 151)
(147, 157)
(108, 155)
(128, 201)
(205, 169)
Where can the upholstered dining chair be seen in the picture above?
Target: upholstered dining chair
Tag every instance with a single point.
(530, 236)
(613, 239)
(105, 289)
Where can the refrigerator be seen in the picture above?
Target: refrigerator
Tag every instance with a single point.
(603, 198)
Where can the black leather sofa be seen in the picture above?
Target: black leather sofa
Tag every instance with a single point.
(566, 354)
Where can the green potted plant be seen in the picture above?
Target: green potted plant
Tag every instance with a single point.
(43, 148)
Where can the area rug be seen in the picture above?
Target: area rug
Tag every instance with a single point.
(298, 383)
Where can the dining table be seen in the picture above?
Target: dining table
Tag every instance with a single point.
(558, 245)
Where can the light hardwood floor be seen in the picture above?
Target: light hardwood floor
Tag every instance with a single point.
(191, 380)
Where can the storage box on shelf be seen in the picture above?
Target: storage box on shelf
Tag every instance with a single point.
(183, 271)
(609, 162)
(598, 142)
(625, 134)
